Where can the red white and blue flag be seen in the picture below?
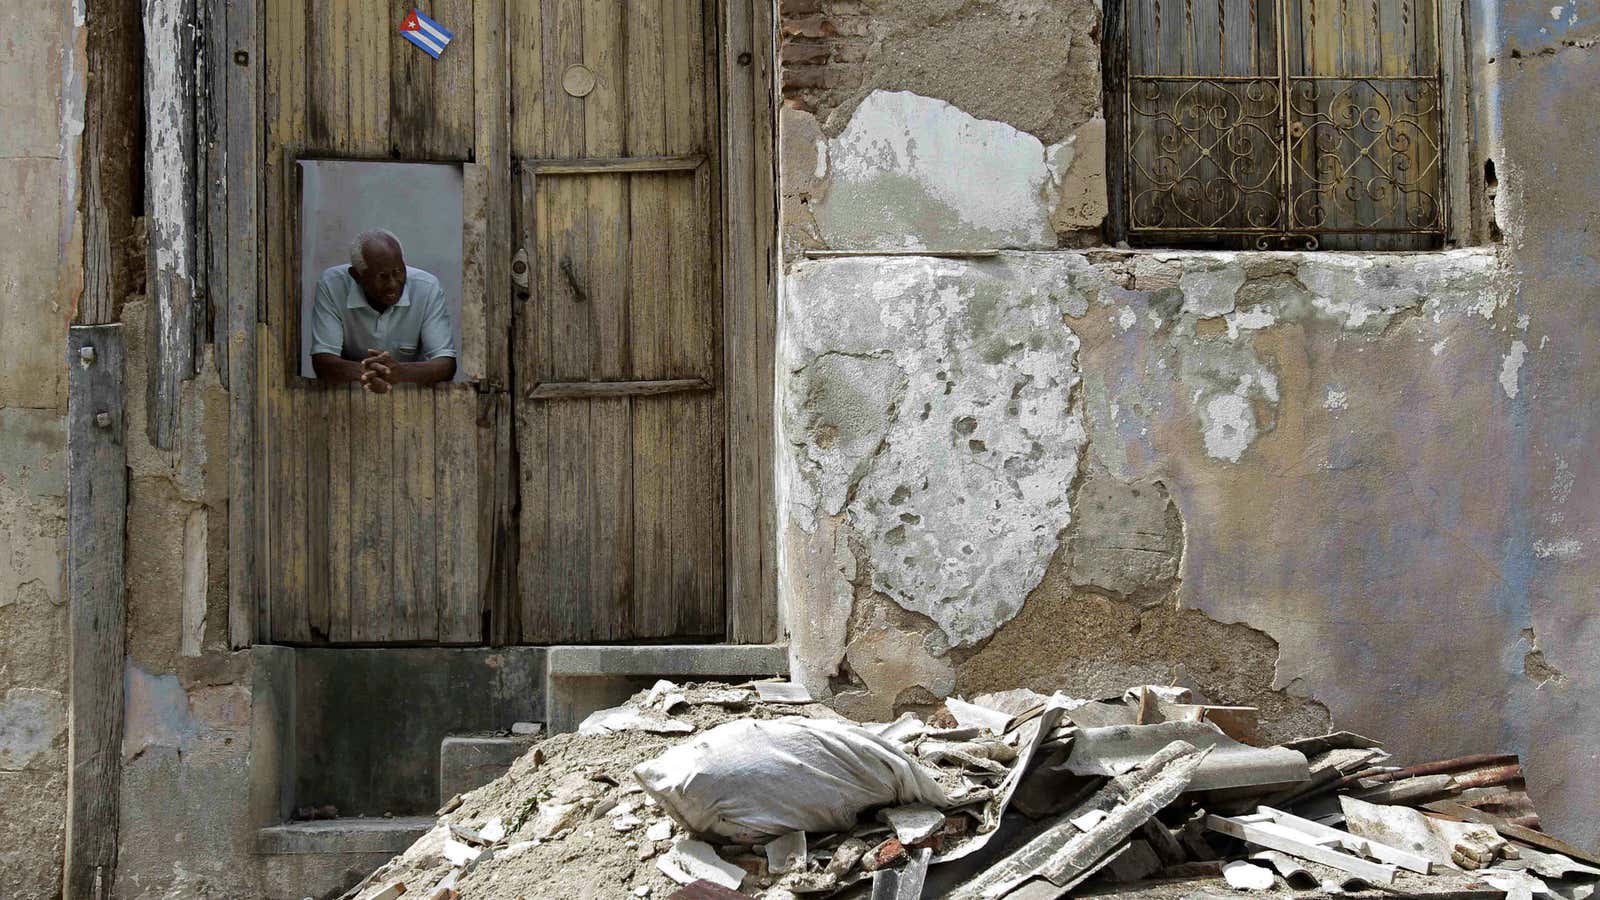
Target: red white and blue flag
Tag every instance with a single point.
(425, 33)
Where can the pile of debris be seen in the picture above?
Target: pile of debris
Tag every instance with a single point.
(713, 790)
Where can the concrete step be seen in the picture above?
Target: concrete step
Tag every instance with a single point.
(470, 761)
(323, 859)
(582, 679)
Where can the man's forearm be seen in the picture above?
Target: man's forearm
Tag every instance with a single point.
(335, 369)
(432, 371)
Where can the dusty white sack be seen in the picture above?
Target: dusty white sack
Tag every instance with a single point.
(750, 780)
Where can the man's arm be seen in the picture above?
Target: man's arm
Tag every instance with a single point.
(335, 369)
(429, 372)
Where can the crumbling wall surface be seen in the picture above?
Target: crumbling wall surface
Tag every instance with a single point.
(1540, 63)
(39, 274)
(188, 826)
(1281, 478)
(938, 124)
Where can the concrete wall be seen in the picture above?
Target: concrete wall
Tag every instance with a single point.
(1350, 489)
(40, 99)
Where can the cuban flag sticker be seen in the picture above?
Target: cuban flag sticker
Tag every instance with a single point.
(425, 33)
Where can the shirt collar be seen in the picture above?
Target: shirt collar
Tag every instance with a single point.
(357, 298)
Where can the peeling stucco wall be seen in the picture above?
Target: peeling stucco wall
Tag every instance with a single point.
(1539, 64)
(41, 95)
(972, 441)
(1348, 488)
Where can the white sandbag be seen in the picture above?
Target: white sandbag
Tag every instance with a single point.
(751, 780)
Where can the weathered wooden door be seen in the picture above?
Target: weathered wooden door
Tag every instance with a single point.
(618, 325)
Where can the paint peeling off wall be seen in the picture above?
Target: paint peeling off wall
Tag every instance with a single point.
(915, 173)
(1168, 443)
(931, 403)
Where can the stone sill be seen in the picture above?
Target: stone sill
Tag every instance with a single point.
(340, 836)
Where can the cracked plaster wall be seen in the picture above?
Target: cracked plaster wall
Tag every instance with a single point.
(1380, 472)
(1339, 510)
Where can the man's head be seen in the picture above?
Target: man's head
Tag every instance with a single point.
(379, 267)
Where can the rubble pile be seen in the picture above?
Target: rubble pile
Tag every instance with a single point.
(710, 790)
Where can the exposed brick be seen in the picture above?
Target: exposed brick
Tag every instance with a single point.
(806, 52)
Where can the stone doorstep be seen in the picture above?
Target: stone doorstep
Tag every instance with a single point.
(582, 679)
(470, 761)
(668, 660)
(342, 836)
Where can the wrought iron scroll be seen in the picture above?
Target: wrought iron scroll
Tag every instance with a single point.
(1281, 159)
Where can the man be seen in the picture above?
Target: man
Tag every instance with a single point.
(379, 321)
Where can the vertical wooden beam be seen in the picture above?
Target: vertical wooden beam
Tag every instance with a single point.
(1113, 76)
(1462, 180)
(498, 540)
(170, 73)
(241, 238)
(749, 196)
(112, 159)
(97, 494)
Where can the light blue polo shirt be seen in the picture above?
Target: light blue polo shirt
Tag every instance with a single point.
(417, 328)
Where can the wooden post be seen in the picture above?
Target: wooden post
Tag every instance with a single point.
(97, 492)
(170, 218)
(240, 241)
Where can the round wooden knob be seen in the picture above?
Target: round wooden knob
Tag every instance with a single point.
(578, 80)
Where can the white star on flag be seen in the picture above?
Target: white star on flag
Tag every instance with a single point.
(425, 33)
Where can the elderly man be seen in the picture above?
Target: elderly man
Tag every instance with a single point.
(379, 321)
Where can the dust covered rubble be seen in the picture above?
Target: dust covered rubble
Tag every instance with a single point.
(1010, 795)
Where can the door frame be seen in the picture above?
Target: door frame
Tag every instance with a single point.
(747, 107)
(747, 79)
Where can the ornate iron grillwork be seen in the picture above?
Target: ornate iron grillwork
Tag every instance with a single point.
(1283, 122)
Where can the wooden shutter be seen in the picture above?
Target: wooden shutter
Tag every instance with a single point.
(1278, 122)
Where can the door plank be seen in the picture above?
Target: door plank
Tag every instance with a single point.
(338, 485)
(456, 436)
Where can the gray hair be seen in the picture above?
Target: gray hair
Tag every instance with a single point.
(358, 247)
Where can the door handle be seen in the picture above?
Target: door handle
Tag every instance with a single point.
(578, 294)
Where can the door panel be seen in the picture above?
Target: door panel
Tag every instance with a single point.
(618, 345)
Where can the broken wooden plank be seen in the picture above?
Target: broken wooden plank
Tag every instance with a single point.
(590, 390)
(97, 493)
(1283, 840)
(1322, 834)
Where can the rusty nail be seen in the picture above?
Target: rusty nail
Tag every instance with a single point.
(241, 57)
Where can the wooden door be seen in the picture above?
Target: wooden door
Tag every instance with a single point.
(617, 335)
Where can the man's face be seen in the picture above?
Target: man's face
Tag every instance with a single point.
(384, 278)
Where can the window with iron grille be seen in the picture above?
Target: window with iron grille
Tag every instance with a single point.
(1277, 123)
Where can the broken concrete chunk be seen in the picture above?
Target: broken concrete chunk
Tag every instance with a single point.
(691, 861)
(1435, 839)
(1247, 877)
(914, 823)
(782, 692)
(845, 856)
(787, 853)
(459, 854)
(527, 728)
(553, 817)
(658, 831)
(627, 718)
